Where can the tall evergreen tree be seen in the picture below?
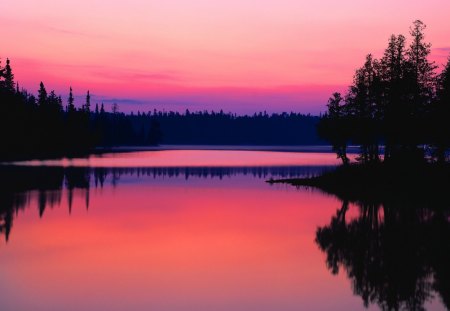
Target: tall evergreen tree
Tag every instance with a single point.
(70, 102)
(2, 71)
(333, 126)
(422, 70)
(9, 77)
(87, 106)
(42, 95)
(393, 100)
(363, 104)
(441, 113)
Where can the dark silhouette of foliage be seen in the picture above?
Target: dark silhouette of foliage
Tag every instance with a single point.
(155, 135)
(47, 128)
(395, 252)
(440, 127)
(42, 127)
(397, 101)
(334, 126)
(219, 128)
(8, 77)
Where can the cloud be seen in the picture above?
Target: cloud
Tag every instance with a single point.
(133, 75)
(443, 49)
(69, 31)
(121, 100)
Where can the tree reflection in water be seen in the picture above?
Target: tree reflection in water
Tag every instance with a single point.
(20, 183)
(396, 253)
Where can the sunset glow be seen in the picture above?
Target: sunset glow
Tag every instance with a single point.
(240, 56)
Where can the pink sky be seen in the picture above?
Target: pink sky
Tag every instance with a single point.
(236, 55)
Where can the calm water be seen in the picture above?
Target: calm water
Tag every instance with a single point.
(198, 230)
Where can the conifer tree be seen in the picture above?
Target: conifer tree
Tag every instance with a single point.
(9, 77)
(42, 95)
(2, 71)
(441, 113)
(70, 103)
(87, 106)
(422, 70)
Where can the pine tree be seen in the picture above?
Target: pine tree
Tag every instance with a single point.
(334, 105)
(422, 70)
(42, 95)
(70, 103)
(53, 99)
(441, 113)
(9, 77)
(394, 100)
(332, 126)
(87, 106)
(2, 72)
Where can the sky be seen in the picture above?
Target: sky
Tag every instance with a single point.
(237, 55)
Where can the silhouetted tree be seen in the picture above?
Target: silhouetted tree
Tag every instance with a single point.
(363, 107)
(423, 71)
(392, 72)
(70, 102)
(392, 101)
(87, 105)
(9, 77)
(42, 95)
(440, 114)
(334, 125)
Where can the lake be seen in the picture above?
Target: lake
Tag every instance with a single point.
(202, 230)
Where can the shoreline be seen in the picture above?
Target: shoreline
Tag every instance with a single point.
(128, 149)
(381, 182)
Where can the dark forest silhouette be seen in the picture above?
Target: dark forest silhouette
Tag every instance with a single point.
(44, 126)
(219, 128)
(398, 101)
(48, 126)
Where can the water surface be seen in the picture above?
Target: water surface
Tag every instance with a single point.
(173, 230)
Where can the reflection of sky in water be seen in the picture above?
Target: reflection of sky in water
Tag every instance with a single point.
(150, 239)
(196, 158)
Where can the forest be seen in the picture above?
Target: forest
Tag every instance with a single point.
(46, 126)
(397, 109)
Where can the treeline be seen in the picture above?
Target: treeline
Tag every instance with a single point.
(45, 126)
(219, 128)
(398, 101)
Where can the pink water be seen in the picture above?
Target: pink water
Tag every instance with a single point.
(166, 244)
